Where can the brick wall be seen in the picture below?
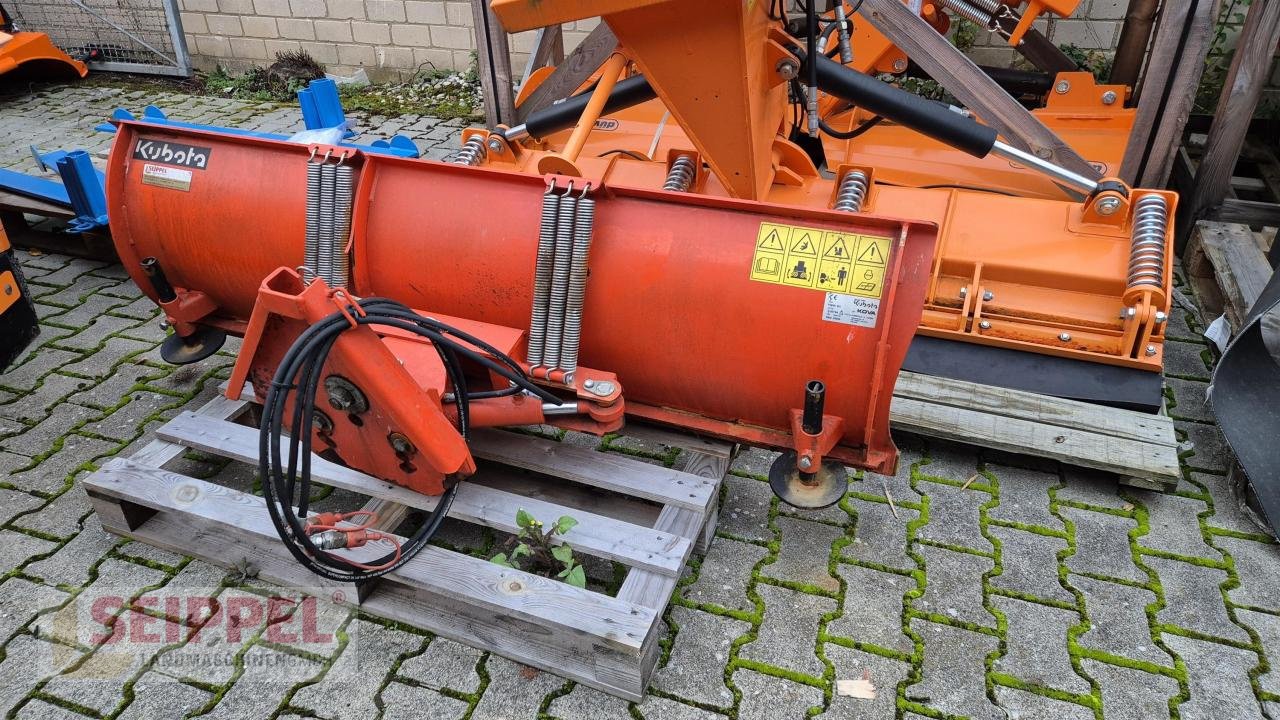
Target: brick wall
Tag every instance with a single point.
(388, 38)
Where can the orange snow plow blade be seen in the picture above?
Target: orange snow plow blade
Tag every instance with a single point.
(33, 51)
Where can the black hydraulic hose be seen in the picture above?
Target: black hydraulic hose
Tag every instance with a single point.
(919, 114)
(851, 134)
(626, 93)
(300, 371)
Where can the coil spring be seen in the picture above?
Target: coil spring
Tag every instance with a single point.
(310, 248)
(473, 152)
(542, 276)
(343, 196)
(680, 177)
(970, 12)
(852, 193)
(324, 244)
(583, 224)
(1147, 249)
(560, 281)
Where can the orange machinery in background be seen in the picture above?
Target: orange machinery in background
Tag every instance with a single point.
(34, 52)
(664, 245)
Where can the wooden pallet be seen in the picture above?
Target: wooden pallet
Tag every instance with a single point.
(1226, 265)
(651, 519)
(1138, 447)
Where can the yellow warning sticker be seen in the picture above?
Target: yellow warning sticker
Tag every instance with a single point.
(826, 260)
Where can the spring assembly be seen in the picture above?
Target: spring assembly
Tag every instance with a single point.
(324, 245)
(472, 152)
(310, 248)
(343, 196)
(560, 280)
(1147, 249)
(680, 177)
(971, 11)
(542, 275)
(852, 193)
(584, 223)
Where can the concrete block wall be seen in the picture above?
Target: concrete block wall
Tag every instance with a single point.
(1094, 26)
(390, 39)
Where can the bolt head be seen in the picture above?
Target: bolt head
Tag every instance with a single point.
(1126, 313)
(1062, 87)
(1108, 205)
(495, 145)
(1151, 350)
(340, 398)
(788, 69)
(806, 462)
(1109, 97)
(1160, 317)
(964, 291)
(985, 325)
(400, 443)
(589, 383)
(602, 388)
(8, 289)
(899, 65)
(988, 296)
(1044, 153)
(1065, 337)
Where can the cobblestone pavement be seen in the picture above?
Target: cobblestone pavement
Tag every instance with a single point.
(992, 587)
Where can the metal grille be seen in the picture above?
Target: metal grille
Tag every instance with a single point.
(142, 36)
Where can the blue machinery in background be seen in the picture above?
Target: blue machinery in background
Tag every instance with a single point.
(83, 188)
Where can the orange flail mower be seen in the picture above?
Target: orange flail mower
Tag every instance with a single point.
(673, 243)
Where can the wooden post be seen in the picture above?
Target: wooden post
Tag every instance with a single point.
(494, 57)
(548, 49)
(1135, 36)
(1169, 87)
(970, 85)
(1240, 94)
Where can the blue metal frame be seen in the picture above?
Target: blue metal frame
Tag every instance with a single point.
(399, 145)
(322, 107)
(82, 188)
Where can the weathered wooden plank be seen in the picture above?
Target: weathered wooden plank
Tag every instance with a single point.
(584, 60)
(556, 606)
(1050, 411)
(603, 470)
(158, 452)
(548, 49)
(966, 81)
(597, 535)
(652, 590)
(1161, 62)
(493, 54)
(1244, 212)
(1151, 461)
(1246, 78)
(1180, 96)
(480, 627)
(1239, 267)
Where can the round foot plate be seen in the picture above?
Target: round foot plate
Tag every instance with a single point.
(824, 489)
(193, 348)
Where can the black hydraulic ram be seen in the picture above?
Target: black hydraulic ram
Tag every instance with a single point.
(930, 118)
(564, 114)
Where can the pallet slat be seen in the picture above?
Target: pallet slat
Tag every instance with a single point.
(517, 594)
(1131, 444)
(594, 468)
(641, 547)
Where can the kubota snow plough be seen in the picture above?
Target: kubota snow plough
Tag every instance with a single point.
(672, 243)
